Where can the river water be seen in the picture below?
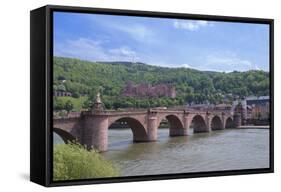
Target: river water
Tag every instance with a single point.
(229, 149)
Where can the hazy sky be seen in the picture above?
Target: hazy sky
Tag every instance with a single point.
(203, 45)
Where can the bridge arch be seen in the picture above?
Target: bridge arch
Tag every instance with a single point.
(198, 123)
(176, 127)
(229, 123)
(138, 129)
(66, 136)
(216, 123)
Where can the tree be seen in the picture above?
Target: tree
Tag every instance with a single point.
(68, 106)
(55, 87)
(61, 78)
(87, 104)
(117, 104)
(75, 95)
(61, 87)
(58, 104)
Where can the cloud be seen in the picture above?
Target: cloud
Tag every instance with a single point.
(186, 65)
(125, 51)
(123, 54)
(232, 61)
(257, 68)
(221, 62)
(226, 62)
(81, 48)
(88, 49)
(136, 31)
(191, 25)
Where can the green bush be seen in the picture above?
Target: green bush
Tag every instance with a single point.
(75, 95)
(73, 161)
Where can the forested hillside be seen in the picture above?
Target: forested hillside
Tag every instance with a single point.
(84, 77)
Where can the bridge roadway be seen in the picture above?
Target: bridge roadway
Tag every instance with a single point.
(91, 128)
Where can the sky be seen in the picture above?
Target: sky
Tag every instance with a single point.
(198, 44)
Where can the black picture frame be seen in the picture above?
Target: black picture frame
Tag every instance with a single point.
(41, 58)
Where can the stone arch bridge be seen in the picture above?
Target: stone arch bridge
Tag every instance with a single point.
(91, 128)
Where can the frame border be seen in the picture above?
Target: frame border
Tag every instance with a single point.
(49, 95)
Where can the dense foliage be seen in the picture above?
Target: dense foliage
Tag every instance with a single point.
(84, 77)
(68, 103)
(73, 161)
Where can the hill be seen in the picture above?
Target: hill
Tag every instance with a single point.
(84, 77)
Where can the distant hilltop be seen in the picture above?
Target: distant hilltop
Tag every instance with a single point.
(146, 90)
(165, 86)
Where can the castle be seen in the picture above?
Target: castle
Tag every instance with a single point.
(145, 90)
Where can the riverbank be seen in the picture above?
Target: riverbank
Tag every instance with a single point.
(254, 127)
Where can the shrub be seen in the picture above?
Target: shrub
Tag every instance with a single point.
(75, 95)
(68, 106)
(73, 161)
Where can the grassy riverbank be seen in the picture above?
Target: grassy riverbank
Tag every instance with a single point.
(73, 161)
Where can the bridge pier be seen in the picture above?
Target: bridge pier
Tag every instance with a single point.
(186, 125)
(237, 120)
(152, 128)
(208, 122)
(96, 132)
(223, 120)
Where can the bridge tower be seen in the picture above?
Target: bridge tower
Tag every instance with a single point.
(244, 111)
(237, 116)
(95, 125)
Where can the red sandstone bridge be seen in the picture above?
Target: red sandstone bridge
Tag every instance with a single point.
(90, 128)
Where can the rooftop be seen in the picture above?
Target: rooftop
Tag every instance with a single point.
(257, 98)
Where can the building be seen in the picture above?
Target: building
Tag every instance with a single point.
(259, 107)
(145, 90)
(254, 108)
(62, 94)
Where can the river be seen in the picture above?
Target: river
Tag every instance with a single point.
(229, 149)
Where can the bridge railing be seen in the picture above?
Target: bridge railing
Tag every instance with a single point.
(155, 109)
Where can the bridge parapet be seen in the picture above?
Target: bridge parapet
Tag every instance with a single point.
(112, 113)
(141, 111)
